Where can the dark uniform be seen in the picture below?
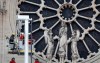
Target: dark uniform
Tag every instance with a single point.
(11, 41)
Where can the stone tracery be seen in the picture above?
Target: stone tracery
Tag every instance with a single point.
(73, 8)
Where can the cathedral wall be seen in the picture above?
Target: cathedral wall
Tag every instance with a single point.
(7, 25)
(8, 18)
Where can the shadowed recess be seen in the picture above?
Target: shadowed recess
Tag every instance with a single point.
(82, 49)
(61, 1)
(91, 44)
(76, 27)
(40, 46)
(69, 33)
(98, 17)
(38, 34)
(33, 16)
(74, 1)
(56, 29)
(96, 35)
(97, 1)
(35, 1)
(87, 13)
(57, 56)
(51, 3)
(55, 45)
(47, 12)
(84, 3)
(84, 22)
(69, 52)
(50, 22)
(98, 8)
(67, 0)
(28, 7)
(97, 25)
(34, 26)
(22, 30)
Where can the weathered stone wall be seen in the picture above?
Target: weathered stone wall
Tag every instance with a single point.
(7, 20)
(7, 26)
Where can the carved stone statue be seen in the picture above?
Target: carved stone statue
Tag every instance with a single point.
(49, 40)
(63, 41)
(75, 38)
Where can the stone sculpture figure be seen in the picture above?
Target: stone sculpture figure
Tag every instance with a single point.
(63, 42)
(74, 39)
(49, 40)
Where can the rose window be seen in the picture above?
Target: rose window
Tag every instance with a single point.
(83, 15)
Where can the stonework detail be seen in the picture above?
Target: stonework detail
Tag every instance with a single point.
(7, 25)
(70, 18)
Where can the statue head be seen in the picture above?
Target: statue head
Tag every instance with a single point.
(50, 31)
(63, 24)
(76, 33)
(45, 28)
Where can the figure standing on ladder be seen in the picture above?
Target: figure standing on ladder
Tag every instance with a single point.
(49, 40)
(63, 42)
(74, 39)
